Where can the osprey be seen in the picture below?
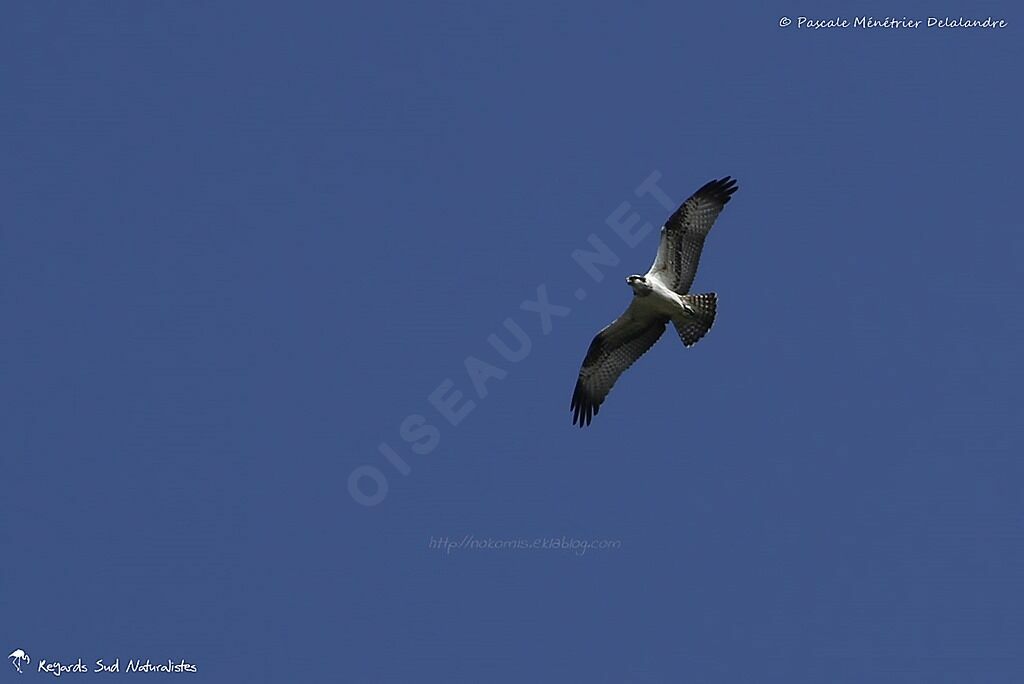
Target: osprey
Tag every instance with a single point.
(659, 296)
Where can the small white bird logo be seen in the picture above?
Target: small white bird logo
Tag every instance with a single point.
(17, 657)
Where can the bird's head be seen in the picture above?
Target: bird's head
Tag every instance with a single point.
(639, 284)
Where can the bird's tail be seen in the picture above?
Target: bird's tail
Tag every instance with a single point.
(695, 326)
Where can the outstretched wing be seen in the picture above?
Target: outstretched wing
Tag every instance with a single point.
(682, 236)
(613, 350)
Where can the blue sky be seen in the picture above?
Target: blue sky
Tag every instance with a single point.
(242, 244)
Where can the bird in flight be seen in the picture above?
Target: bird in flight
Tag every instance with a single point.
(660, 296)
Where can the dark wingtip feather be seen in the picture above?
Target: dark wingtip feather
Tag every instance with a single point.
(583, 409)
(720, 190)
